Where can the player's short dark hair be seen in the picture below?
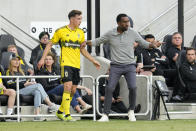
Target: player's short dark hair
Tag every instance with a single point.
(43, 34)
(118, 18)
(73, 13)
(149, 36)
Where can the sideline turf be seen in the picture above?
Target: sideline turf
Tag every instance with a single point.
(89, 125)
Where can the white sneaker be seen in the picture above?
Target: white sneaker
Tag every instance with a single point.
(104, 118)
(85, 109)
(52, 108)
(131, 115)
(87, 106)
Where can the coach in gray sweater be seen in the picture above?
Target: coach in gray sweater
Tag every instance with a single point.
(121, 41)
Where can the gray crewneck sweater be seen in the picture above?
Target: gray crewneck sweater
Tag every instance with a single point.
(121, 45)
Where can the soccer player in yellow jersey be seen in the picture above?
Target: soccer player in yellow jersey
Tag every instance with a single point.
(70, 38)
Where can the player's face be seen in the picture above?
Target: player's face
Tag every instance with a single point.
(124, 24)
(77, 20)
(49, 61)
(191, 56)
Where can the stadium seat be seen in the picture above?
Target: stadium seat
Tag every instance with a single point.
(56, 99)
(26, 100)
(5, 40)
(3, 100)
(168, 42)
(194, 42)
(21, 52)
(5, 59)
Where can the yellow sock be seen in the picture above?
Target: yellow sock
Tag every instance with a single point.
(65, 104)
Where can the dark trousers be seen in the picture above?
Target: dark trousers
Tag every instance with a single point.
(116, 71)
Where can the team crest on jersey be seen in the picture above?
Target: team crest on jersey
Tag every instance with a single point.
(66, 73)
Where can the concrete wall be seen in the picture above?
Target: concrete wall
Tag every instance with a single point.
(23, 12)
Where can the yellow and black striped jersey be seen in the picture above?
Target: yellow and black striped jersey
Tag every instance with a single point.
(0, 78)
(69, 41)
(1, 89)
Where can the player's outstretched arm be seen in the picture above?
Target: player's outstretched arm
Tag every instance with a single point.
(90, 58)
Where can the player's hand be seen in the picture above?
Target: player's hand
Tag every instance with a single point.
(89, 42)
(83, 45)
(96, 64)
(40, 64)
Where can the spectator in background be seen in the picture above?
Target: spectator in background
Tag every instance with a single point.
(188, 73)
(11, 97)
(175, 49)
(54, 86)
(37, 52)
(154, 56)
(139, 60)
(27, 87)
(172, 54)
(24, 65)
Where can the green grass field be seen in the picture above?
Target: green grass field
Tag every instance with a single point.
(89, 125)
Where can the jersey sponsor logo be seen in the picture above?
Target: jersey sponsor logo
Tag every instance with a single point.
(71, 44)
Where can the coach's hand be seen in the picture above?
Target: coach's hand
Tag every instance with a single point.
(40, 64)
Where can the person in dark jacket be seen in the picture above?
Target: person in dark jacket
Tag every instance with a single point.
(37, 52)
(188, 71)
(54, 86)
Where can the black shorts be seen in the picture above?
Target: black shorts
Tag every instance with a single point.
(69, 73)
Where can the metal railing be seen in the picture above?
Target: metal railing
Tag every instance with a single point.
(124, 114)
(18, 115)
